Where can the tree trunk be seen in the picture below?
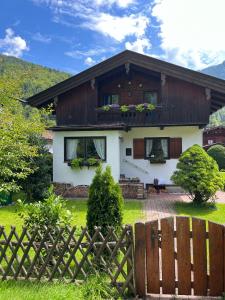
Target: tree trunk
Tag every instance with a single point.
(198, 198)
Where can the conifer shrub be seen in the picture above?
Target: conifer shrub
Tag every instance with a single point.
(217, 152)
(105, 202)
(198, 174)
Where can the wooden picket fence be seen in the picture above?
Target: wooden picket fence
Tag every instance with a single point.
(70, 254)
(180, 256)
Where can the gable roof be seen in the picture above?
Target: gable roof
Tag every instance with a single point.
(215, 84)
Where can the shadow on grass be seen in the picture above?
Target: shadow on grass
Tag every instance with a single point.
(195, 210)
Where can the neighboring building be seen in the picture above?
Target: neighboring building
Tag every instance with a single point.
(48, 137)
(136, 144)
(214, 136)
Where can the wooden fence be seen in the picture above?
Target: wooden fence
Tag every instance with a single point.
(180, 256)
(70, 254)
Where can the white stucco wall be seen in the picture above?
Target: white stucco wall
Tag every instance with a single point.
(146, 171)
(62, 173)
(116, 154)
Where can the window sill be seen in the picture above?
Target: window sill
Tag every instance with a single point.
(85, 164)
(157, 161)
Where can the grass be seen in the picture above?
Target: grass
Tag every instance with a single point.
(95, 288)
(132, 213)
(207, 212)
(22, 290)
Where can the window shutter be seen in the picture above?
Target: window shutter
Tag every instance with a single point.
(175, 147)
(139, 148)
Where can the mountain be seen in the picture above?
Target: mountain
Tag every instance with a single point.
(32, 78)
(217, 70)
(218, 118)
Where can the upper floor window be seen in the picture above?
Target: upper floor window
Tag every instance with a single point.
(151, 97)
(111, 99)
(84, 147)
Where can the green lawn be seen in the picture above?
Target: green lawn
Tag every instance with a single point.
(132, 213)
(95, 288)
(208, 212)
(38, 291)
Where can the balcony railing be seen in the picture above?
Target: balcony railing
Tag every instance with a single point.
(129, 118)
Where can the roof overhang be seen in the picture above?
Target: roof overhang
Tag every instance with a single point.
(215, 85)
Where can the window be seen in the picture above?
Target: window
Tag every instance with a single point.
(128, 151)
(210, 142)
(111, 99)
(151, 97)
(157, 148)
(84, 147)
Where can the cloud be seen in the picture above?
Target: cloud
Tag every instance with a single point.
(91, 52)
(41, 38)
(118, 27)
(87, 3)
(13, 45)
(96, 15)
(119, 3)
(191, 32)
(141, 45)
(89, 61)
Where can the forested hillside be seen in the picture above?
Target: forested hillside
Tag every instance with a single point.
(26, 78)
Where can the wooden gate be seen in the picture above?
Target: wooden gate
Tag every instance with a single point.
(181, 256)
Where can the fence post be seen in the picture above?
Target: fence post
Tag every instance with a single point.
(130, 259)
(140, 260)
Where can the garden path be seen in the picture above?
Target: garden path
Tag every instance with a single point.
(161, 205)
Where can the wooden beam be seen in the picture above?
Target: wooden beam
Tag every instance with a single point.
(163, 79)
(127, 68)
(93, 83)
(208, 94)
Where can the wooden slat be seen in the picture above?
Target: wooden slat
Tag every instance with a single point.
(199, 257)
(183, 256)
(168, 261)
(152, 257)
(216, 259)
(140, 259)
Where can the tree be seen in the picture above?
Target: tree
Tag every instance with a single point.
(198, 174)
(105, 202)
(17, 125)
(217, 152)
(37, 183)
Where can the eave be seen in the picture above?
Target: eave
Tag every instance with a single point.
(215, 85)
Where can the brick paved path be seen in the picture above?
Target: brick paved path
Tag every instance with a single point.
(159, 206)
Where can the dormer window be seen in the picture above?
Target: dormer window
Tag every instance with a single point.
(110, 99)
(151, 97)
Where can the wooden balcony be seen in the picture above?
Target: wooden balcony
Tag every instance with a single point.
(132, 118)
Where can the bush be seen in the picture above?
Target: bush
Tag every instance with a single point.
(51, 213)
(198, 174)
(105, 202)
(217, 152)
(223, 176)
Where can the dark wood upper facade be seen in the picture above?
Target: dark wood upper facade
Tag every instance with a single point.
(181, 100)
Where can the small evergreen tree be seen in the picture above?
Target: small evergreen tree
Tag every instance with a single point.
(217, 152)
(105, 202)
(198, 174)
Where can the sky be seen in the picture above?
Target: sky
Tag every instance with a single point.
(73, 35)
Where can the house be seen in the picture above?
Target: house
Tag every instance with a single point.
(48, 137)
(133, 112)
(214, 136)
